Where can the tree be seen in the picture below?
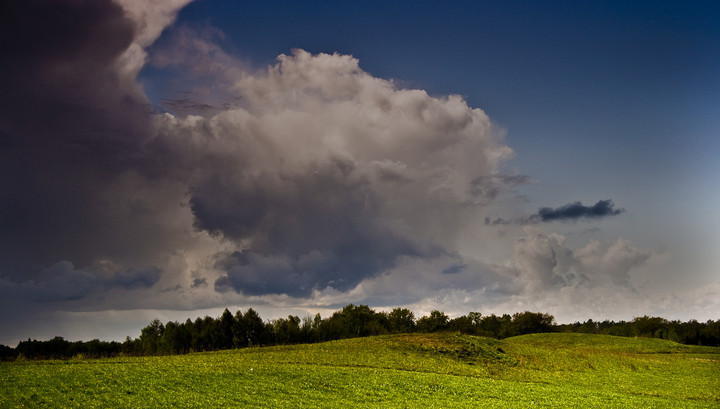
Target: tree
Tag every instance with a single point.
(475, 318)
(531, 323)
(224, 332)
(648, 326)
(169, 342)
(436, 321)
(401, 320)
(255, 333)
(150, 337)
(238, 331)
(287, 331)
(356, 320)
(462, 324)
(7, 353)
(202, 334)
(710, 335)
(307, 334)
(317, 328)
(588, 327)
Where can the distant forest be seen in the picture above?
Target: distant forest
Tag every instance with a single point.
(247, 329)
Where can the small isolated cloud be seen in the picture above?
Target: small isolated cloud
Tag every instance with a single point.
(575, 211)
(569, 212)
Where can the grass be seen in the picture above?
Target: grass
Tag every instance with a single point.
(428, 370)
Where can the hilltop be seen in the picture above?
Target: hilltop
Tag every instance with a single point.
(406, 370)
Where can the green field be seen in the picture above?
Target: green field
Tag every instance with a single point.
(412, 370)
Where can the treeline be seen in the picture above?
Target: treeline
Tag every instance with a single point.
(691, 332)
(59, 348)
(248, 329)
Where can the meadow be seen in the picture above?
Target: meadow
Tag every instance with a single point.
(439, 370)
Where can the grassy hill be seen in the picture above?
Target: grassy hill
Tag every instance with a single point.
(409, 370)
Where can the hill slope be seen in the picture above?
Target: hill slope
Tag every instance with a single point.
(409, 370)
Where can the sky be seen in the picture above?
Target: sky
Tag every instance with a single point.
(171, 159)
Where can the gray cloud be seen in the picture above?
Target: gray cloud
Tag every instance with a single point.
(199, 283)
(63, 282)
(80, 212)
(74, 123)
(318, 173)
(326, 175)
(135, 278)
(575, 211)
(489, 187)
(569, 212)
(542, 261)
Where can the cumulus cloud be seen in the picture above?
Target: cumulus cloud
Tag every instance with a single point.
(327, 175)
(613, 261)
(542, 261)
(318, 175)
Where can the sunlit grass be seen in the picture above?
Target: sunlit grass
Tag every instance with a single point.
(428, 370)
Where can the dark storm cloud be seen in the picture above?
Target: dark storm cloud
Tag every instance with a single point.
(61, 84)
(63, 282)
(299, 269)
(135, 278)
(74, 126)
(321, 177)
(68, 126)
(318, 228)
